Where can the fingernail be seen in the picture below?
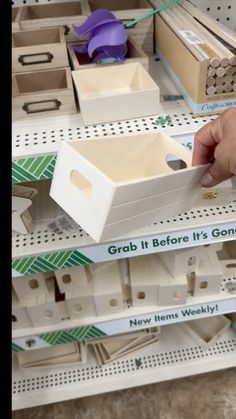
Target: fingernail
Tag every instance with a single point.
(207, 180)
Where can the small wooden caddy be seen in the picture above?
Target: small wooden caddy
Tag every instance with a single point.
(114, 185)
(42, 93)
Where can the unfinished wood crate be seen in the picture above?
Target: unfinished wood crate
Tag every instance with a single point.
(143, 280)
(19, 315)
(74, 284)
(114, 185)
(112, 93)
(39, 49)
(42, 93)
(15, 18)
(43, 308)
(207, 277)
(128, 10)
(171, 291)
(181, 262)
(227, 258)
(53, 356)
(56, 14)
(135, 54)
(107, 290)
(205, 332)
(30, 286)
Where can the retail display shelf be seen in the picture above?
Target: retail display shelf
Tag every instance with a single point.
(174, 356)
(35, 143)
(131, 319)
(56, 241)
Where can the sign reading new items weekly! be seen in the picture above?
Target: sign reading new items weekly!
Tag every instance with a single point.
(125, 248)
(128, 324)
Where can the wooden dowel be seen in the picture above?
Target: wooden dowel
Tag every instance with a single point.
(211, 71)
(228, 79)
(220, 49)
(211, 90)
(219, 80)
(219, 88)
(228, 88)
(229, 71)
(220, 71)
(210, 81)
(226, 34)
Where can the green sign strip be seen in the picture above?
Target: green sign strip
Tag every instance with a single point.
(33, 168)
(50, 262)
(66, 336)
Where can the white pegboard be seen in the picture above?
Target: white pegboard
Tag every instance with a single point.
(222, 10)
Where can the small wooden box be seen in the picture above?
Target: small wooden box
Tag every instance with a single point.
(15, 18)
(143, 280)
(135, 54)
(42, 93)
(128, 10)
(112, 93)
(114, 185)
(19, 315)
(56, 14)
(206, 332)
(40, 49)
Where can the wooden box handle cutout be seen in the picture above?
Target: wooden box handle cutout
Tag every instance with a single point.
(81, 183)
(42, 106)
(40, 58)
(175, 162)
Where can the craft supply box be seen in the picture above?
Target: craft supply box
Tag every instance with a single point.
(55, 14)
(188, 73)
(135, 54)
(42, 93)
(112, 93)
(39, 49)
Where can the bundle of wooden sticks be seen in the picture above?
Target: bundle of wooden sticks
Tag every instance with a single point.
(208, 40)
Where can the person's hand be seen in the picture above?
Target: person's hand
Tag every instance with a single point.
(216, 143)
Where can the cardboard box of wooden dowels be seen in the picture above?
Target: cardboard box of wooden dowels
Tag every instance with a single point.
(191, 76)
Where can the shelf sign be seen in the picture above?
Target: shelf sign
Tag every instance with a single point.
(128, 324)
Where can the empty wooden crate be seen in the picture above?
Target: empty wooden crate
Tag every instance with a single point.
(42, 93)
(111, 93)
(55, 14)
(39, 49)
(135, 54)
(114, 185)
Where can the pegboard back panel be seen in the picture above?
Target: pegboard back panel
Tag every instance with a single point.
(222, 10)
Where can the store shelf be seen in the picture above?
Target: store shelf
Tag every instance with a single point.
(131, 319)
(173, 357)
(35, 142)
(56, 241)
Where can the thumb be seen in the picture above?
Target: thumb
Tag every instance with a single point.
(214, 175)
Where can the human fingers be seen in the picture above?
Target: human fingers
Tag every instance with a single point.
(205, 141)
(221, 168)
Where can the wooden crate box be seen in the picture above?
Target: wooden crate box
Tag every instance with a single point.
(39, 49)
(112, 93)
(135, 54)
(42, 93)
(19, 315)
(143, 279)
(56, 14)
(128, 10)
(114, 185)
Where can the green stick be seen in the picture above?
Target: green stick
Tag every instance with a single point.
(149, 14)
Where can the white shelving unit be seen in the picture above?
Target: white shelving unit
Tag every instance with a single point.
(35, 145)
(174, 356)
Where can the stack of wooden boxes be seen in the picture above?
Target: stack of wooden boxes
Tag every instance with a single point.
(42, 83)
